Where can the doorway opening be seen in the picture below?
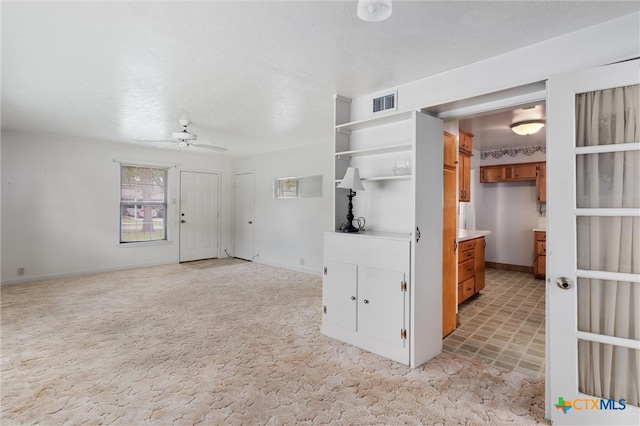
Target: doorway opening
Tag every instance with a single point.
(504, 324)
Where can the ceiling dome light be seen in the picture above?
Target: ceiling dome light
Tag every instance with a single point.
(374, 10)
(527, 127)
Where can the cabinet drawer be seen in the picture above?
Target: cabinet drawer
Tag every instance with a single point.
(466, 245)
(465, 255)
(466, 289)
(465, 270)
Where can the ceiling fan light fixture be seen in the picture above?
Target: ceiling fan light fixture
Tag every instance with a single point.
(184, 136)
(527, 127)
(374, 10)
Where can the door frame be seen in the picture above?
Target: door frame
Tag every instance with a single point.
(219, 215)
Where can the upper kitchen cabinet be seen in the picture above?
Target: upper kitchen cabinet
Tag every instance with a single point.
(464, 177)
(465, 140)
(465, 145)
(509, 172)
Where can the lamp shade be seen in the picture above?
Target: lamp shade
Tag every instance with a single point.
(374, 10)
(351, 180)
(527, 127)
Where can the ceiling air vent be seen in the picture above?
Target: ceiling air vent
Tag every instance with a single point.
(385, 102)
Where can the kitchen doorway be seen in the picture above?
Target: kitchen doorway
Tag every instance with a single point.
(504, 325)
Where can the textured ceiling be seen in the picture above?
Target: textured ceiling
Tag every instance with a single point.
(251, 76)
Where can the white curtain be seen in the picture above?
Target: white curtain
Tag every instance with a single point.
(612, 244)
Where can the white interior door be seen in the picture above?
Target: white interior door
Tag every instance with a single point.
(244, 207)
(593, 242)
(199, 214)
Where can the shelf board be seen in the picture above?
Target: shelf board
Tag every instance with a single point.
(375, 121)
(382, 178)
(374, 151)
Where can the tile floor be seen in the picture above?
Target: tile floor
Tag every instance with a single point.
(504, 324)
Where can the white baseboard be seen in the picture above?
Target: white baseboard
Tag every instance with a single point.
(293, 268)
(27, 279)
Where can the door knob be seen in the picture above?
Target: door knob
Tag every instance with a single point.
(183, 221)
(564, 283)
(250, 222)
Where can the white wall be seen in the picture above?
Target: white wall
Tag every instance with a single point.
(288, 232)
(591, 47)
(60, 205)
(510, 211)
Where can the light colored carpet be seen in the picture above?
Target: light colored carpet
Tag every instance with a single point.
(234, 344)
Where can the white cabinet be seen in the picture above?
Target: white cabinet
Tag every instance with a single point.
(339, 294)
(365, 292)
(402, 241)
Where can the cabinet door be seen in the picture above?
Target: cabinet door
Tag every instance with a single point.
(524, 171)
(466, 141)
(339, 294)
(491, 174)
(450, 150)
(478, 258)
(464, 177)
(541, 183)
(382, 305)
(449, 262)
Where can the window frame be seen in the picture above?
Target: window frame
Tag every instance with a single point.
(144, 201)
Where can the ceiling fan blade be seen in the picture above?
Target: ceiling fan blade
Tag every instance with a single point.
(211, 147)
(151, 140)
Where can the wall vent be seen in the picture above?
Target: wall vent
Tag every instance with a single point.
(385, 102)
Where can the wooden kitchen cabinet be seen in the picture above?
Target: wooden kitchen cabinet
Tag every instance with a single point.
(540, 254)
(478, 257)
(491, 174)
(465, 145)
(464, 177)
(449, 215)
(525, 171)
(541, 182)
(518, 172)
(465, 140)
(471, 273)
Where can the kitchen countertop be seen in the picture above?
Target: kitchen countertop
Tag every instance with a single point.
(465, 234)
(540, 229)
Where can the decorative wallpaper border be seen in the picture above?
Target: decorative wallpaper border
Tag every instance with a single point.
(512, 152)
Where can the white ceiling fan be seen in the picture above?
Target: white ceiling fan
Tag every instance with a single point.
(186, 139)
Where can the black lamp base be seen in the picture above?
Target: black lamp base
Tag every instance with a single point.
(349, 226)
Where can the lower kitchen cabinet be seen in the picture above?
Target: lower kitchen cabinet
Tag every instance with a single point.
(365, 293)
(540, 254)
(471, 269)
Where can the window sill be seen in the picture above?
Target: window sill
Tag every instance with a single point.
(145, 244)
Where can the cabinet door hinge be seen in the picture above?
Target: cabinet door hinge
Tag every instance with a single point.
(403, 334)
(403, 286)
(325, 270)
(324, 309)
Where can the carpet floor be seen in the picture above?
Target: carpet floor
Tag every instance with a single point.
(222, 342)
